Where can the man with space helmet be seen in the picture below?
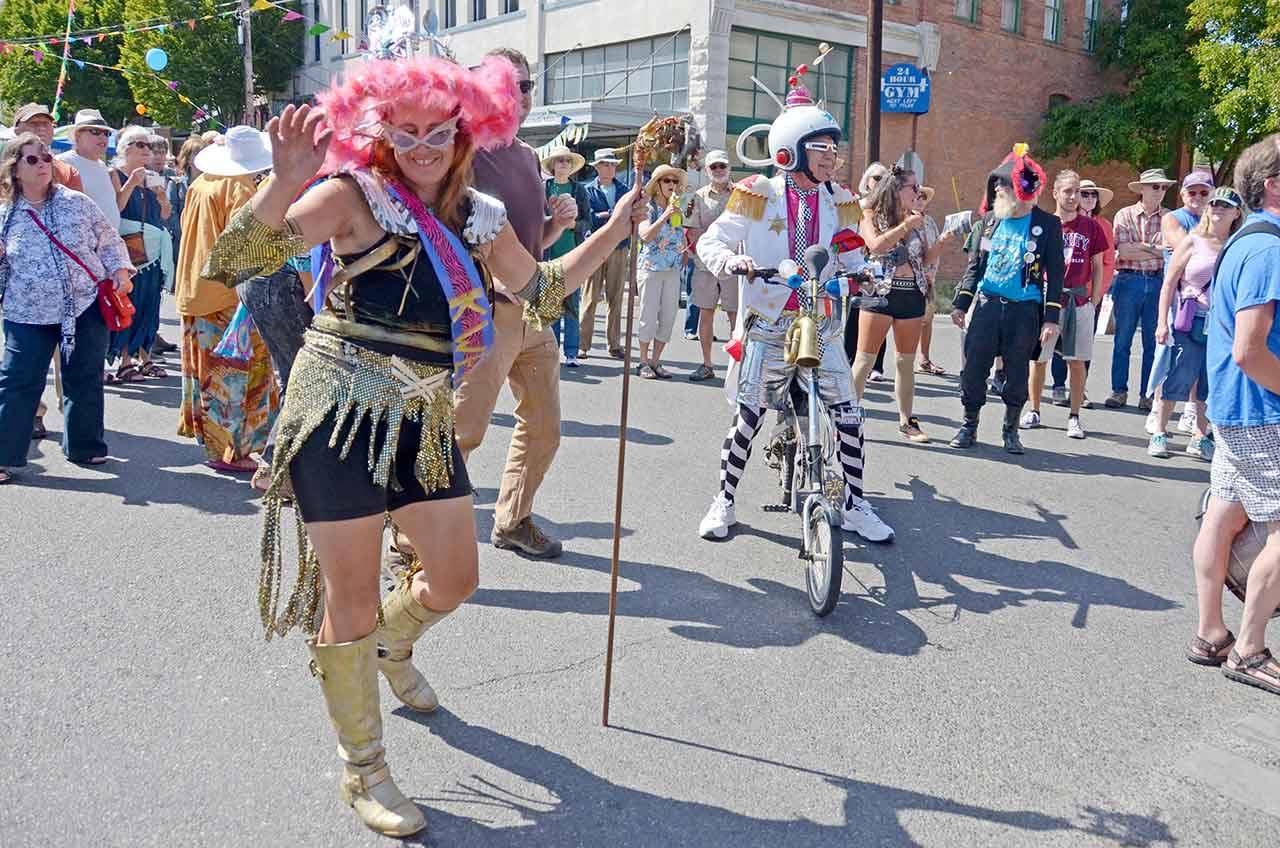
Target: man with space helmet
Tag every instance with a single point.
(768, 221)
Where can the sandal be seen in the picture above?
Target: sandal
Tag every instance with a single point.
(661, 372)
(232, 467)
(1260, 670)
(109, 378)
(1204, 652)
(38, 430)
(153, 370)
(129, 374)
(928, 367)
(646, 371)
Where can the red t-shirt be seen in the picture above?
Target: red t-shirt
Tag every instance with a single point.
(1082, 239)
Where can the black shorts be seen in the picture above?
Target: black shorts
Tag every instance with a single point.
(904, 304)
(330, 489)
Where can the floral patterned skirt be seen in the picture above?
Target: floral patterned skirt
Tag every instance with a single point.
(228, 405)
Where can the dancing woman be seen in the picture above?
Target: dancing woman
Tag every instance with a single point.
(406, 247)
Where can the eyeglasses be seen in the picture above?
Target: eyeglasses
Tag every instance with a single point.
(1092, 194)
(821, 146)
(1204, 192)
(32, 159)
(436, 138)
(719, 166)
(526, 86)
(102, 131)
(143, 144)
(669, 181)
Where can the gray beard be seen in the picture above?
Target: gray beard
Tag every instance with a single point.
(1008, 207)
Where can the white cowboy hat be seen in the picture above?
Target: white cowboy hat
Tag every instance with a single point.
(667, 171)
(606, 155)
(1105, 195)
(243, 151)
(1152, 177)
(576, 160)
(86, 118)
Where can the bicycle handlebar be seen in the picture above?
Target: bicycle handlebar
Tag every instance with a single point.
(770, 277)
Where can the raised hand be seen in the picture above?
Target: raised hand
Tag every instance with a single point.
(299, 143)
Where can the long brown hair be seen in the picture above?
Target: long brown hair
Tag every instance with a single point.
(10, 185)
(884, 202)
(187, 153)
(449, 206)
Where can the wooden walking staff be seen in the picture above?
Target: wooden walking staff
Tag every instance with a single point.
(671, 134)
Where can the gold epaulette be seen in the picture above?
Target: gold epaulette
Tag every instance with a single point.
(848, 214)
(750, 197)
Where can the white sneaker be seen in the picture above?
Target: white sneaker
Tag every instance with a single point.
(1187, 423)
(1152, 423)
(571, 362)
(1030, 420)
(1074, 430)
(860, 518)
(719, 518)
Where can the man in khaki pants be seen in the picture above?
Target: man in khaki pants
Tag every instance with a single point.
(525, 359)
(606, 283)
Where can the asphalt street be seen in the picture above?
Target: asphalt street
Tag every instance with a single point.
(1009, 672)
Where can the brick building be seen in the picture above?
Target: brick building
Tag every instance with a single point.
(605, 66)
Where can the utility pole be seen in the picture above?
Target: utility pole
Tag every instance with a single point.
(246, 47)
(875, 41)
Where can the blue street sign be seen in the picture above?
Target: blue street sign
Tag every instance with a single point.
(905, 88)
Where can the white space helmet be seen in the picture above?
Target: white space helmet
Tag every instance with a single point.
(799, 121)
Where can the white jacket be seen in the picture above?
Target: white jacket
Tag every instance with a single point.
(754, 224)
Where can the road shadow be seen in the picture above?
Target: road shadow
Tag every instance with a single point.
(574, 806)
(944, 560)
(563, 531)
(635, 436)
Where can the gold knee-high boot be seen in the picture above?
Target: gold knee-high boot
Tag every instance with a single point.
(348, 677)
(404, 620)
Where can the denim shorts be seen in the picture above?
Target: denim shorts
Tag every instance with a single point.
(1187, 368)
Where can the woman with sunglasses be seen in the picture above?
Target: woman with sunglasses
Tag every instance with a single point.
(1185, 293)
(870, 178)
(143, 212)
(661, 258)
(404, 252)
(50, 303)
(894, 233)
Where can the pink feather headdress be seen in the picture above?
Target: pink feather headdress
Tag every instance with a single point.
(486, 99)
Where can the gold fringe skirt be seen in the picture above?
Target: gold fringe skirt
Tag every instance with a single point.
(336, 376)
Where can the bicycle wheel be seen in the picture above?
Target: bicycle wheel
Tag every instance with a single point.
(826, 560)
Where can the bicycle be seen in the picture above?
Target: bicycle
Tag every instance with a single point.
(805, 448)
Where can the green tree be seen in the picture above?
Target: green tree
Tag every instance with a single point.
(1238, 56)
(1162, 107)
(206, 61)
(24, 80)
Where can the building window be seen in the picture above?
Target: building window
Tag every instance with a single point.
(363, 20)
(771, 59)
(315, 10)
(658, 80)
(343, 23)
(1011, 15)
(479, 10)
(1053, 20)
(1090, 25)
(448, 14)
(509, 6)
(967, 10)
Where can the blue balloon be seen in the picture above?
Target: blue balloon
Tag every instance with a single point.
(795, 281)
(833, 287)
(157, 59)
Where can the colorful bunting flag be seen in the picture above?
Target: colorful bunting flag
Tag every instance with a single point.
(291, 16)
(317, 29)
(261, 5)
(340, 35)
(38, 55)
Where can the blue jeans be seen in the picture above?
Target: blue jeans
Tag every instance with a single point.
(572, 326)
(1136, 297)
(692, 313)
(28, 350)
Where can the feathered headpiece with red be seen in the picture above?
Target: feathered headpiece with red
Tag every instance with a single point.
(487, 100)
(1021, 171)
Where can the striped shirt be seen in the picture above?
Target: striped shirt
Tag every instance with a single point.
(1134, 224)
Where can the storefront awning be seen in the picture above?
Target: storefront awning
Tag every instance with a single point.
(598, 119)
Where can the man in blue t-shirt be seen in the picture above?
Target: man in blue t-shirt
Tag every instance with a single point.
(1015, 274)
(1244, 405)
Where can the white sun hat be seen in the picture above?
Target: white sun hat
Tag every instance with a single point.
(243, 151)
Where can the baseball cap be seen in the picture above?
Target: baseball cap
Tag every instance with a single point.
(1227, 195)
(717, 157)
(1197, 178)
(31, 110)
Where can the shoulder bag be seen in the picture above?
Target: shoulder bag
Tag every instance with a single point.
(116, 308)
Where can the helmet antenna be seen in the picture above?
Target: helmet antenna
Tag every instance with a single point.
(781, 106)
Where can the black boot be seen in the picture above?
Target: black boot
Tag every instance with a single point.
(967, 435)
(1012, 443)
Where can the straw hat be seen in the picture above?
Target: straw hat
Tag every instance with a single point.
(1105, 195)
(576, 160)
(666, 171)
(243, 151)
(1151, 177)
